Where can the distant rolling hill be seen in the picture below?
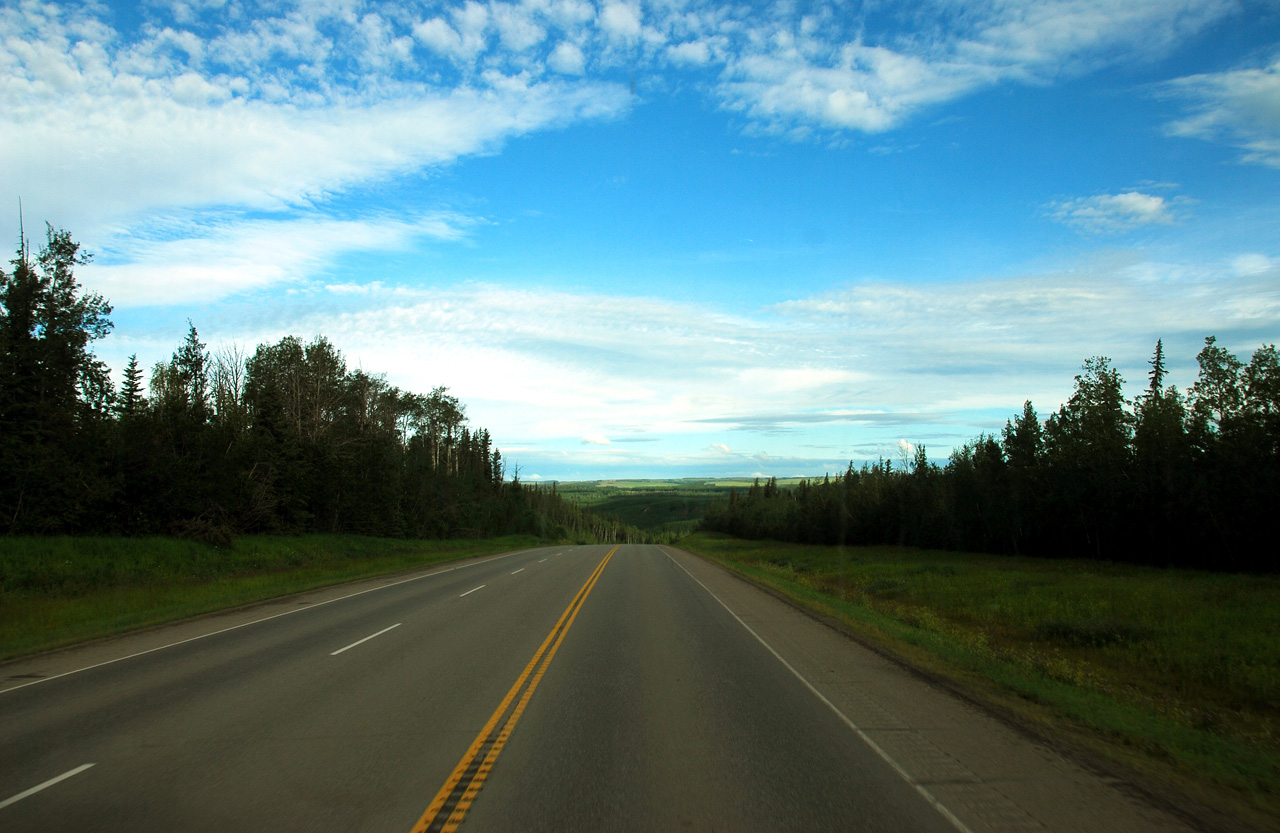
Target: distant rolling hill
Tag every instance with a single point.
(655, 505)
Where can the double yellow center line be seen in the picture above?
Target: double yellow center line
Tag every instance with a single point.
(454, 799)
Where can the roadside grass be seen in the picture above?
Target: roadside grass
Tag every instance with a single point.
(1176, 672)
(57, 591)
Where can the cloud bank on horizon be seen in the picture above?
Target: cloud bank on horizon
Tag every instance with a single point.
(637, 235)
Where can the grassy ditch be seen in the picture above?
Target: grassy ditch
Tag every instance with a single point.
(60, 590)
(1173, 671)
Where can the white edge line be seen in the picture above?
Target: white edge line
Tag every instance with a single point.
(366, 639)
(521, 570)
(38, 787)
(267, 618)
(473, 589)
(875, 747)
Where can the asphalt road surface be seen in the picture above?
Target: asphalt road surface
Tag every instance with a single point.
(573, 688)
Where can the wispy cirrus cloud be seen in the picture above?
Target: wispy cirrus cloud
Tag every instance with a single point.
(959, 341)
(857, 368)
(298, 101)
(198, 260)
(101, 127)
(288, 107)
(1239, 108)
(1111, 213)
(776, 420)
(211, 152)
(829, 70)
(1252, 263)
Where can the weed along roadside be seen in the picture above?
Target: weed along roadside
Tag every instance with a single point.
(1172, 673)
(57, 591)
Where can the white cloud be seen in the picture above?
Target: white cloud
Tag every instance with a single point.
(869, 89)
(567, 59)
(937, 359)
(962, 343)
(471, 20)
(382, 47)
(438, 35)
(292, 107)
(1253, 264)
(1116, 212)
(791, 379)
(789, 71)
(1241, 108)
(225, 117)
(196, 263)
(695, 53)
(517, 28)
(620, 20)
(354, 288)
(96, 130)
(157, 154)
(569, 14)
(1044, 39)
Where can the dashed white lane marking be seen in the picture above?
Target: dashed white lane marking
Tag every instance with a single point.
(366, 639)
(264, 619)
(521, 570)
(473, 589)
(542, 561)
(875, 747)
(38, 787)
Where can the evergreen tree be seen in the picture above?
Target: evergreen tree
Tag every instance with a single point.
(132, 400)
(51, 386)
(1157, 368)
(1161, 473)
(1023, 439)
(191, 362)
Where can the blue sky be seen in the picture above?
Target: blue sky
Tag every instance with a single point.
(670, 238)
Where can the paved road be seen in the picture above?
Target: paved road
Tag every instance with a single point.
(578, 688)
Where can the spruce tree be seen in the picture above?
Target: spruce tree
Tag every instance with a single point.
(1157, 369)
(50, 382)
(132, 401)
(192, 364)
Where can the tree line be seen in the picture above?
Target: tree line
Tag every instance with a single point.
(213, 443)
(1167, 478)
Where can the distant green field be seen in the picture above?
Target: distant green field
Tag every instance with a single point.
(1174, 670)
(673, 507)
(745, 482)
(668, 509)
(57, 591)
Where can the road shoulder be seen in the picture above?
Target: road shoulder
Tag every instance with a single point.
(35, 668)
(991, 775)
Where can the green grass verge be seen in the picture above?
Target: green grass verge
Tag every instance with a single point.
(1175, 672)
(59, 591)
